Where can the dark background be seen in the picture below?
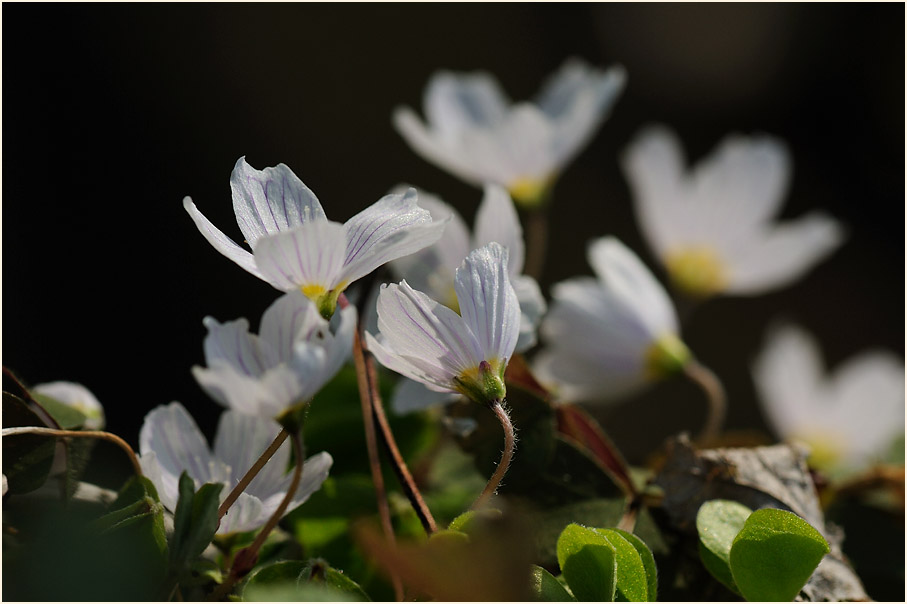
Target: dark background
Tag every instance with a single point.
(113, 113)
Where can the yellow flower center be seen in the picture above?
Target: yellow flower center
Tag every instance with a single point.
(531, 192)
(665, 356)
(697, 270)
(826, 450)
(324, 299)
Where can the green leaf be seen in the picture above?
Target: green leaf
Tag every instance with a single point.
(647, 559)
(194, 521)
(718, 523)
(297, 581)
(27, 458)
(549, 524)
(472, 520)
(632, 581)
(588, 562)
(452, 537)
(546, 588)
(774, 555)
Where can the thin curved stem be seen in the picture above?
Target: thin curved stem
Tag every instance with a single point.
(252, 473)
(714, 392)
(98, 434)
(246, 558)
(506, 456)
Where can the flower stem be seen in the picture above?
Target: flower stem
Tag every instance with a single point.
(251, 474)
(536, 241)
(714, 391)
(100, 435)
(509, 447)
(245, 559)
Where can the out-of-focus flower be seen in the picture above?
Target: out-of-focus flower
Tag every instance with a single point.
(170, 443)
(79, 398)
(449, 352)
(294, 246)
(296, 352)
(607, 337)
(848, 418)
(474, 131)
(712, 228)
(431, 271)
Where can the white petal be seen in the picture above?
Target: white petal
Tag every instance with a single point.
(314, 472)
(654, 166)
(292, 317)
(447, 155)
(167, 485)
(221, 242)
(457, 101)
(232, 343)
(525, 142)
(431, 269)
(532, 308)
(419, 328)
(246, 514)
(266, 396)
(317, 360)
(627, 279)
(497, 220)
(76, 396)
(271, 200)
(788, 375)
(240, 441)
(392, 227)
(488, 303)
(433, 377)
(578, 98)
(410, 395)
(575, 378)
(309, 255)
(173, 436)
(783, 253)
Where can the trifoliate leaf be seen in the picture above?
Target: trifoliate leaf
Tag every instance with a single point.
(718, 522)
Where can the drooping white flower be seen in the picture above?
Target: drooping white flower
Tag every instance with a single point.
(170, 443)
(607, 337)
(294, 246)
(712, 228)
(296, 352)
(431, 271)
(449, 352)
(849, 417)
(474, 131)
(78, 397)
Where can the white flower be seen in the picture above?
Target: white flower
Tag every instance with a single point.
(431, 271)
(296, 353)
(79, 398)
(607, 337)
(294, 246)
(712, 228)
(446, 351)
(170, 442)
(849, 417)
(474, 132)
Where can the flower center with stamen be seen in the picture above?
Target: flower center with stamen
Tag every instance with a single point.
(325, 300)
(826, 450)
(666, 355)
(697, 270)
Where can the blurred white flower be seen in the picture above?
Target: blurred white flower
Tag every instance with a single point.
(848, 418)
(79, 398)
(294, 246)
(431, 271)
(474, 131)
(170, 442)
(712, 227)
(296, 352)
(449, 352)
(607, 337)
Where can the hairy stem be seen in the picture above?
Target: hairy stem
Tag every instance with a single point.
(717, 400)
(100, 435)
(246, 558)
(252, 473)
(506, 456)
